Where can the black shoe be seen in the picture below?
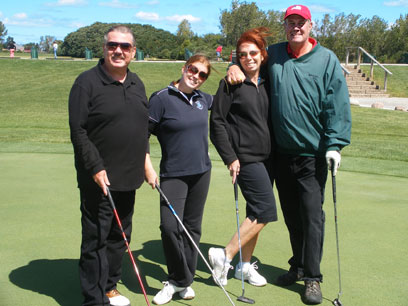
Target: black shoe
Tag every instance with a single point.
(313, 294)
(289, 278)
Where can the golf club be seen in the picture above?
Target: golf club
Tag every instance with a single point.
(241, 298)
(127, 245)
(192, 241)
(336, 301)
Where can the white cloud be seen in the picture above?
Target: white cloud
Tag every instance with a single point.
(1, 14)
(25, 21)
(320, 9)
(153, 2)
(76, 25)
(180, 18)
(148, 16)
(20, 16)
(172, 19)
(397, 3)
(117, 4)
(67, 3)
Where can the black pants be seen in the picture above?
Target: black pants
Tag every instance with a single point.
(102, 247)
(301, 182)
(187, 195)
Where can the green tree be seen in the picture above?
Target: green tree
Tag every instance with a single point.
(150, 40)
(207, 44)
(241, 17)
(184, 36)
(46, 43)
(338, 34)
(30, 45)
(3, 32)
(275, 25)
(184, 31)
(370, 35)
(10, 43)
(397, 41)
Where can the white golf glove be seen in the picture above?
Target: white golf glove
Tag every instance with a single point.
(333, 157)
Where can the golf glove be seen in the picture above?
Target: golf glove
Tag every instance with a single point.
(333, 157)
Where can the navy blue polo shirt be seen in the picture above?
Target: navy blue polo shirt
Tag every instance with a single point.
(181, 126)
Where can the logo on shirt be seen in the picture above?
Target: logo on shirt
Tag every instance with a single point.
(199, 105)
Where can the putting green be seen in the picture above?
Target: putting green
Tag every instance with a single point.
(40, 232)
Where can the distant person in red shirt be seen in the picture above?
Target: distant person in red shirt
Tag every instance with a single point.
(218, 52)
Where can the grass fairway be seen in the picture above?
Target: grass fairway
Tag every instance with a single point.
(40, 220)
(41, 235)
(397, 82)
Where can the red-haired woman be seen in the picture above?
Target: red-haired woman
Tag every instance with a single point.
(239, 130)
(178, 116)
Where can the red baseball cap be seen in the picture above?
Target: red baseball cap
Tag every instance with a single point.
(298, 9)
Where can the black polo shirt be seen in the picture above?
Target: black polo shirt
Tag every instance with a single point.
(109, 123)
(181, 126)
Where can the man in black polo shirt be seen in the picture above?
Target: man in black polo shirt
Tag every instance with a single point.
(108, 121)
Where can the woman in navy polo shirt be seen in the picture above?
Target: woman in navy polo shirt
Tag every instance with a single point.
(239, 130)
(178, 116)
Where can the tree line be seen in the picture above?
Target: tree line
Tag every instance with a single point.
(388, 43)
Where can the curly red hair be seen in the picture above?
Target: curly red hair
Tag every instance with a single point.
(257, 37)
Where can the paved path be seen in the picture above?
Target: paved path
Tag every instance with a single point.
(389, 103)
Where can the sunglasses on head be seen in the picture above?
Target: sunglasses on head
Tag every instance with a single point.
(245, 54)
(113, 45)
(194, 70)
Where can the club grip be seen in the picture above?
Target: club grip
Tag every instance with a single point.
(110, 198)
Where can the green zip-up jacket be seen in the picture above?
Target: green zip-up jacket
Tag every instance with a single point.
(310, 107)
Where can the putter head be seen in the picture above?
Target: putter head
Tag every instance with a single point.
(245, 300)
(337, 302)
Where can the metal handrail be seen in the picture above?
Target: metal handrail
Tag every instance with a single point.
(346, 72)
(373, 60)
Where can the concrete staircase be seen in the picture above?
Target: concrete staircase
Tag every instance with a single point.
(360, 86)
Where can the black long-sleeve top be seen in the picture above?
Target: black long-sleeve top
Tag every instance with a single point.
(239, 122)
(108, 123)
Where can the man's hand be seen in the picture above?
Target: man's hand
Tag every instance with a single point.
(234, 168)
(333, 159)
(101, 178)
(235, 75)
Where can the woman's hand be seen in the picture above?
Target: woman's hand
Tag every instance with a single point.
(150, 174)
(234, 168)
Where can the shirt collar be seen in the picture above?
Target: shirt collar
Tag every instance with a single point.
(196, 93)
(107, 79)
(290, 51)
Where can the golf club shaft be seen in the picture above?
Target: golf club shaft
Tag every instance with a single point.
(242, 298)
(192, 240)
(127, 245)
(239, 235)
(336, 227)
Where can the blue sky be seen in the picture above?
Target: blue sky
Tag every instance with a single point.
(27, 20)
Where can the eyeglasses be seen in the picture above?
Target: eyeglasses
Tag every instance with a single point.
(113, 45)
(299, 25)
(252, 53)
(194, 70)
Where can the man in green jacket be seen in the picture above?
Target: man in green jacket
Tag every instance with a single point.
(311, 120)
